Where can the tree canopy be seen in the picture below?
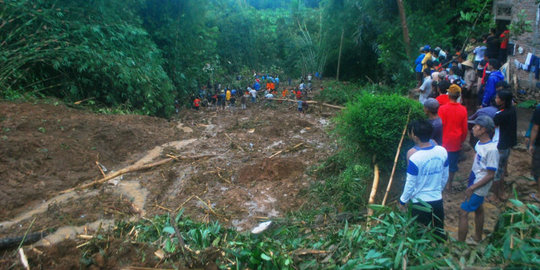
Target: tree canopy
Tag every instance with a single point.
(145, 53)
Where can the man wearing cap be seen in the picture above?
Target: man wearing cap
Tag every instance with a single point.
(482, 173)
(431, 109)
(454, 120)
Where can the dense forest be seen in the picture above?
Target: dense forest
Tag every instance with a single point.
(142, 54)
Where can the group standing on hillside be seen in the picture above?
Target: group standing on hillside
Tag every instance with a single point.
(445, 84)
(264, 87)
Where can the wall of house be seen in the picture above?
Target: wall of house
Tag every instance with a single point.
(526, 86)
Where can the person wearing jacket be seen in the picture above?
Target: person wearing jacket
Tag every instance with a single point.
(494, 77)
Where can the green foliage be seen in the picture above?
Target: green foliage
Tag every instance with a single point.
(373, 124)
(527, 104)
(518, 234)
(81, 49)
(394, 241)
(338, 92)
(520, 25)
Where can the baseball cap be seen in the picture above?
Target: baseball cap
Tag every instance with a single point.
(427, 48)
(431, 105)
(485, 122)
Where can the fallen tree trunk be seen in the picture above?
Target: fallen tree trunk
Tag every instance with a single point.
(133, 169)
(13, 242)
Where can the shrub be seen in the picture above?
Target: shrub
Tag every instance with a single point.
(372, 124)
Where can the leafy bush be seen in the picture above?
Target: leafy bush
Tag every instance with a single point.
(518, 233)
(372, 124)
(77, 50)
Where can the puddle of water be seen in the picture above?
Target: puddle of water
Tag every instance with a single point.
(70, 232)
(156, 151)
(44, 206)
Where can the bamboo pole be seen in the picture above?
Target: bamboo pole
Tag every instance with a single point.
(396, 159)
(373, 188)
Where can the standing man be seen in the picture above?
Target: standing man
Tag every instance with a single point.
(483, 170)
(425, 88)
(495, 76)
(418, 67)
(427, 173)
(506, 124)
(454, 120)
(431, 109)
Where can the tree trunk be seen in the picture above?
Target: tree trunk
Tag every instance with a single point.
(339, 56)
(406, 39)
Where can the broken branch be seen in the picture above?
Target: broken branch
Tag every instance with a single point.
(133, 168)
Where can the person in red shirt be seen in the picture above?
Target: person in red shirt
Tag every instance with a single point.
(196, 103)
(454, 122)
(503, 52)
(442, 98)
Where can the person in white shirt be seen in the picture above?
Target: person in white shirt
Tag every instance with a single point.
(427, 174)
(253, 94)
(425, 88)
(483, 171)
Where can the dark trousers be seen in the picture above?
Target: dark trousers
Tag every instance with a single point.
(435, 217)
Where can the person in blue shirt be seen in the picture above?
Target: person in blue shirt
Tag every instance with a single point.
(427, 174)
(418, 66)
(494, 77)
(256, 86)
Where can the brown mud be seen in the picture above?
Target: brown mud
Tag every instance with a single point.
(45, 149)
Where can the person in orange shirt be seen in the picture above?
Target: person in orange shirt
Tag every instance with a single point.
(197, 103)
(284, 93)
(454, 122)
(268, 86)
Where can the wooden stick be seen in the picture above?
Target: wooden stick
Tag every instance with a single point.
(286, 150)
(133, 169)
(223, 178)
(210, 208)
(373, 189)
(100, 169)
(396, 159)
(229, 137)
(24, 260)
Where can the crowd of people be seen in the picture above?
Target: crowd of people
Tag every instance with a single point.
(445, 84)
(264, 88)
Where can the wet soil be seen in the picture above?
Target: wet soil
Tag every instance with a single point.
(45, 149)
(255, 169)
